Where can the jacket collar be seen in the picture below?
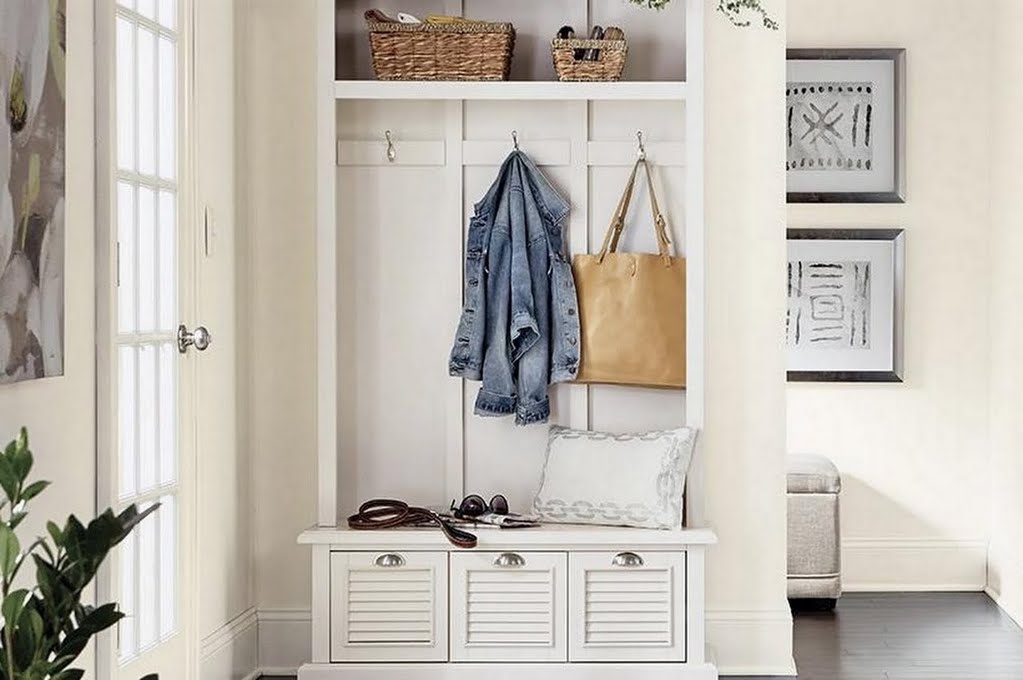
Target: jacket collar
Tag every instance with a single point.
(549, 201)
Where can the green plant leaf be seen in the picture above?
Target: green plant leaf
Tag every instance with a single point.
(34, 489)
(22, 460)
(55, 533)
(8, 478)
(70, 674)
(17, 518)
(12, 606)
(9, 550)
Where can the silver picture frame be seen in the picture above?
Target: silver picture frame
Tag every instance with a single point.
(888, 374)
(897, 193)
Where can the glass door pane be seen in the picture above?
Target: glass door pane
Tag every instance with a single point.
(147, 107)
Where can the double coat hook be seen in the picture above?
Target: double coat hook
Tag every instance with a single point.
(641, 150)
(515, 139)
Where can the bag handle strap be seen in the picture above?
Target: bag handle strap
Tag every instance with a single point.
(617, 227)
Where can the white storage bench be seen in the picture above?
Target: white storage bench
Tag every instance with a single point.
(557, 601)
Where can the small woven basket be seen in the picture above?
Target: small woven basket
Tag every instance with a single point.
(609, 64)
(470, 50)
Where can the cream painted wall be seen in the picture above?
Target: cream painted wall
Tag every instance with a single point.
(748, 616)
(914, 457)
(226, 593)
(1005, 569)
(279, 210)
(66, 455)
(749, 623)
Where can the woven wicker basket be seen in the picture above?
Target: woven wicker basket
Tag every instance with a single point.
(608, 66)
(475, 50)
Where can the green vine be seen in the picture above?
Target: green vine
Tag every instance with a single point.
(737, 11)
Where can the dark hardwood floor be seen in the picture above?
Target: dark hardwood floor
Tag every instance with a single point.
(909, 636)
(906, 636)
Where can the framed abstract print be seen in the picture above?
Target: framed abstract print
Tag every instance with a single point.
(845, 126)
(845, 305)
(32, 152)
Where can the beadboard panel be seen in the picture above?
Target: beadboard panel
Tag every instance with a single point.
(388, 248)
(401, 276)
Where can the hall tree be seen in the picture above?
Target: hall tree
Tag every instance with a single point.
(747, 620)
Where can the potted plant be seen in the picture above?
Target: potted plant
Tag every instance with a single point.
(47, 626)
(737, 11)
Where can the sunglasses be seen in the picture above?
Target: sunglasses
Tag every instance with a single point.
(473, 505)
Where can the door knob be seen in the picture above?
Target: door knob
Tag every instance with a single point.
(200, 338)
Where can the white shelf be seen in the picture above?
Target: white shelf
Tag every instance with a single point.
(528, 90)
(545, 537)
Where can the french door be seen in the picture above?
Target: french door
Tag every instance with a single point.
(146, 365)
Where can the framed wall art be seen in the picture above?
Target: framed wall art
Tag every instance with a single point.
(845, 299)
(845, 126)
(32, 132)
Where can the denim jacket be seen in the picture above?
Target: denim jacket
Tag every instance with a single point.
(519, 330)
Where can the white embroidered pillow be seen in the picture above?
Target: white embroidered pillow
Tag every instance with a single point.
(632, 480)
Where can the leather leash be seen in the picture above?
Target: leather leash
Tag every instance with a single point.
(385, 513)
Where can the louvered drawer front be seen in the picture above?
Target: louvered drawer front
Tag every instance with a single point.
(508, 606)
(627, 606)
(389, 606)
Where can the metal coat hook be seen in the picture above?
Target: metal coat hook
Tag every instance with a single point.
(515, 139)
(641, 152)
(392, 154)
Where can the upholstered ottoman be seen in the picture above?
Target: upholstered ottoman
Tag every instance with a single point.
(815, 563)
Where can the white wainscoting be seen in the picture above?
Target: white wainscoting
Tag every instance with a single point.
(914, 564)
(230, 652)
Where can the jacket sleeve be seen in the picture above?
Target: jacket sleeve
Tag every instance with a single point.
(523, 331)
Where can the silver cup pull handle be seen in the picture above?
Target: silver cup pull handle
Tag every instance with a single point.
(627, 559)
(389, 560)
(509, 561)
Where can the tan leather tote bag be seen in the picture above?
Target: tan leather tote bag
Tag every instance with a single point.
(632, 306)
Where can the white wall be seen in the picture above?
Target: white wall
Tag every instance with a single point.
(1005, 569)
(749, 620)
(66, 454)
(914, 457)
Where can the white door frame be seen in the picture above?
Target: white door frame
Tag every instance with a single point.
(107, 662)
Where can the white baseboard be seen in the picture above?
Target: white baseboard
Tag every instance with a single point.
(751, 642)
(1014, 610)
(284, 640)
(230, 652)
(744, 642)
(913, 565)
(1005, 583)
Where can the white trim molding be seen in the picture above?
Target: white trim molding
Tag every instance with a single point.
(745, 642)
(914, 564)
(230, 652)
(751, 642)
(284, 640)
(1005, 583)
